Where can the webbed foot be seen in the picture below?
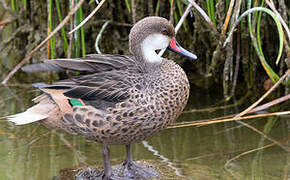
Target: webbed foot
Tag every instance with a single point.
(132, 171)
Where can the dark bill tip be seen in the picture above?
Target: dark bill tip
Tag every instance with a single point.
(174, 46)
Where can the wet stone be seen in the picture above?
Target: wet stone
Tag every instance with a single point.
(89, 174)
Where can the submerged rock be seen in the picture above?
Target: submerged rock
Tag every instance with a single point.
(120, 173)
(89, 174)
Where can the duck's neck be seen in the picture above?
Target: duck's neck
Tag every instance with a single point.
(150, 56)
(150, 59)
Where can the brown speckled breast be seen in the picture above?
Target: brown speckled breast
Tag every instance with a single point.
(156, 100)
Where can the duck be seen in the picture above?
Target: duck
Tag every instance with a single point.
(116, 99)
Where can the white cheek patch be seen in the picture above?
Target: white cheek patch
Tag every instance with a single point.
(151, 43)
(156, 41)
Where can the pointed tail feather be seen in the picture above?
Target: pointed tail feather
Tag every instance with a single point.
(26, 117)
(37, 112)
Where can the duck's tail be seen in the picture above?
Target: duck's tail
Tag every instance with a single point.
(35, 113)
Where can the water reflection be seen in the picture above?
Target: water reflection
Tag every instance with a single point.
(163, 158)
(34, 152)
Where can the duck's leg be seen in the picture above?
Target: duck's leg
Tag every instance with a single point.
(134, 171)
(107, 164)
(129, 157)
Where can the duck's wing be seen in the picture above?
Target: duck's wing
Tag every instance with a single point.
(91, 63)
(110, 86)
(100, 90)
(107, 79)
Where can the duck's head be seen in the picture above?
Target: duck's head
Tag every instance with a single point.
(151, 34)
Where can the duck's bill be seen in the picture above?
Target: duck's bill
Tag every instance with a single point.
(174, 46)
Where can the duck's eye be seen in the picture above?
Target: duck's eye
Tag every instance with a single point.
(164, 32)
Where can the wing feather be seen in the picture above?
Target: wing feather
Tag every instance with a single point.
(109, 78)
(91, 63)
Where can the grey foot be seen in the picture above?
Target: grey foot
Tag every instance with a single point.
(133, 171)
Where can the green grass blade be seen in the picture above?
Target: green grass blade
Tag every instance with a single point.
(274, 77)
(52, 40)
(63, 34)
(13, 5)
(82, 34)
(128, 5)
(175, 17)
(77, 38)
(258, 47)
(24, 3)
(211, 11)
(227, 5)
(180, 10)
(258, 30)
(157, 8)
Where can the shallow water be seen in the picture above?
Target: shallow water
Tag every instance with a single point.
(36, 153)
